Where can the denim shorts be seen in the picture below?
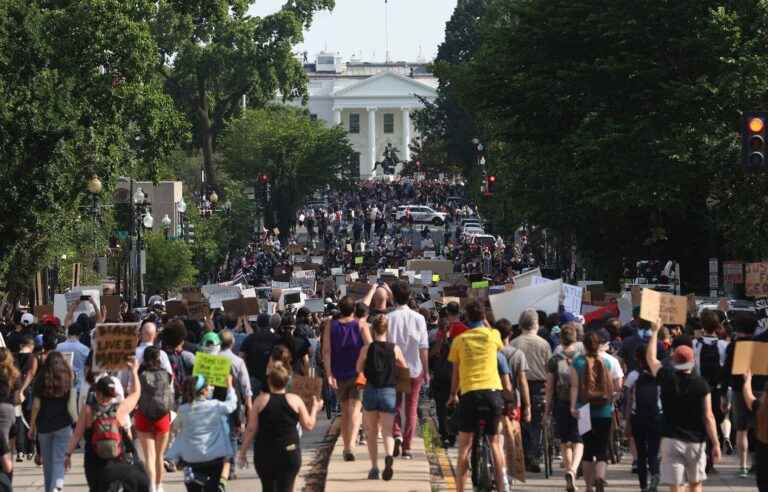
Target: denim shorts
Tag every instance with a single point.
(379, 399)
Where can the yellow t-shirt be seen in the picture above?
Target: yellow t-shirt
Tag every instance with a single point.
(475, 351)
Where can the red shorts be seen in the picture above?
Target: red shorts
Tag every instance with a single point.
(159, 426)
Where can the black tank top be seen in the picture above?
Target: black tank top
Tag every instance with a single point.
(380, 365)
(277, 425)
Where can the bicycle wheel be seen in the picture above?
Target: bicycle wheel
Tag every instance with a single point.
(474, 463)
(486, 472)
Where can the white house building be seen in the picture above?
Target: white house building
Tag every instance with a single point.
(372, 101)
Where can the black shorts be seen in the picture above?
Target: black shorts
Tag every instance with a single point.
(596, 440)
(566, 426)
(481, 405)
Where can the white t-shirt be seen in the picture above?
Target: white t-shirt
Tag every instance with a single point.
(616, 371)
(408, 330)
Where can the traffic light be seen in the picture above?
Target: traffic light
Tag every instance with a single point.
(490, 185)
(263, 179)
(753, 135)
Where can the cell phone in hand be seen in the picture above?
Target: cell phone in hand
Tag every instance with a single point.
(85, 298)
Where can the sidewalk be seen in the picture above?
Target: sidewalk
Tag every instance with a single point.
(410, 476)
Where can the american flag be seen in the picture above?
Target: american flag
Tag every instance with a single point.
(239, 275)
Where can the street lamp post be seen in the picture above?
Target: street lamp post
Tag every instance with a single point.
(181, 208)
(144, 219)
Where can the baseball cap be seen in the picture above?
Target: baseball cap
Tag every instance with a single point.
(210, 339)
(27, 319)
(566, 318)
(50, 320)
(682, 358)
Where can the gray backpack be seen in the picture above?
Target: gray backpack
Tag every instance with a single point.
(563, 383)
(156, 399)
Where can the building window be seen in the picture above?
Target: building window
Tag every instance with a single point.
(313, 117)
(354, 123)
(389, 123)
(354, 164)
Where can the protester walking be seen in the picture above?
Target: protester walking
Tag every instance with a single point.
(377, 362)
(643, 408)
(152, 418)
(687, 418)
(9, 392)
(558, 403)
(53, 413)
(408, 330)
(537, 353)
(593, 384)
(758, 407)
(343, 338)
(107, 442)
(273, 431)
(202, 435)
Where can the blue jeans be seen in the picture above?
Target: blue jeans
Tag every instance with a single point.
(532, 431)
(53, 447)
(379, 399)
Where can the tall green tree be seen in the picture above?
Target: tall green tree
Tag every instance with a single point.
(618, 120)
(169, 264)
(300, 156)
(76, 90)
(212, 54)
(446, 126)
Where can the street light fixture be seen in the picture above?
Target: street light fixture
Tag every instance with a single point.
(139, 196)
(214, 198)
(94, 185)
(148, 221)
(181, 207)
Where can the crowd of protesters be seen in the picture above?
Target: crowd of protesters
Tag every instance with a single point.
(668, 389)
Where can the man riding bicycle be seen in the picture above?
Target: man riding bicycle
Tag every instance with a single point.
(476, 375)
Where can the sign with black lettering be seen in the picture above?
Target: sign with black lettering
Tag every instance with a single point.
(114, 344)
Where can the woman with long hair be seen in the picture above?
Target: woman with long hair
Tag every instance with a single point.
(202, 435)
(104, 459)
(9, 392)
(53, 411)
(592, 384)
(377, 362)
(272, 428)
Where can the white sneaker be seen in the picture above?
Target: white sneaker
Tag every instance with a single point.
(159, 488)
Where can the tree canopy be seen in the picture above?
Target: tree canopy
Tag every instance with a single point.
(299, 155)
(76, 91)
(614, 122)
(212, 54)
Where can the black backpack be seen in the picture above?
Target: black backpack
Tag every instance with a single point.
(442, 368)
(709, 362)
(646, 396)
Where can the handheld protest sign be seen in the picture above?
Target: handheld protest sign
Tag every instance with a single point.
(756, 279)
(672, 310)
(114, 344)
(215, 368)
(750, 356)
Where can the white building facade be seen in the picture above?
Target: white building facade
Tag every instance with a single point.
(372, 101)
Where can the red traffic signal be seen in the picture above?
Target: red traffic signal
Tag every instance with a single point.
(263, 179)
(490, 185)
(753, 137)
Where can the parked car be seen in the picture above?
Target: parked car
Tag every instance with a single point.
(421, 214)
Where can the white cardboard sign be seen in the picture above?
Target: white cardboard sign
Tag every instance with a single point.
(511, 304)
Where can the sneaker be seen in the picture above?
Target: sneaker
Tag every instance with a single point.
(170, 467)
(728, 447)
(373, 474)
(388, 471)
(744, 472)
(570, 485)
(398, 443)
(600, 485)
(654, 485)
(407, 455)
(348, 456)
(507, 486)
(19, 458)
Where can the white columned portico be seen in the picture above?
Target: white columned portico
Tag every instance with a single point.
(371, 139)
(336, 116)
(406, 114)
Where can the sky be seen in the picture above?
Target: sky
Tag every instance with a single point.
(358, 26)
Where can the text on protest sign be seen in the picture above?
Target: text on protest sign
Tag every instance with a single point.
(756, 280)
(672, 310)
(114, 343)
(215, 368)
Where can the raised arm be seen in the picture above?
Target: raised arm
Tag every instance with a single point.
(131, 399)
(650, 354)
